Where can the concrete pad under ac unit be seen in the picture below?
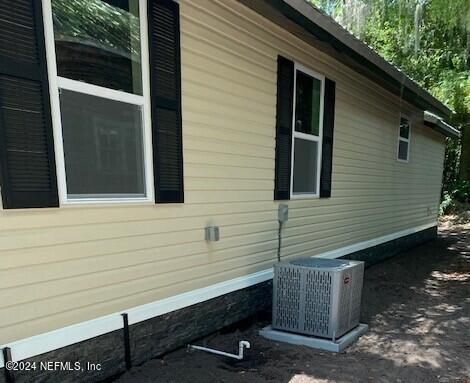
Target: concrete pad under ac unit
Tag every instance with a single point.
(320, 343)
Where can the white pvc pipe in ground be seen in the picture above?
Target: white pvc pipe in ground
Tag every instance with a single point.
(241, 346)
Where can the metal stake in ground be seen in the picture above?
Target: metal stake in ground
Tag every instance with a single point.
(9, 374)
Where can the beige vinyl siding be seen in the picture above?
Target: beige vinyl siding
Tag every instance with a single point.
(67, 265)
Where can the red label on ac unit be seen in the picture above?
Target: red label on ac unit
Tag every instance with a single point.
(346, 280)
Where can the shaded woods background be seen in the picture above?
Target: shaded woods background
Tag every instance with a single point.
(430, 41)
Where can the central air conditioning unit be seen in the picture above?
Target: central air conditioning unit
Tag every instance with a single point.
(319, 297)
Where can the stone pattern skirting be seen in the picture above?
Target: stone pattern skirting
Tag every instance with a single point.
(388, 249)
(150, 338)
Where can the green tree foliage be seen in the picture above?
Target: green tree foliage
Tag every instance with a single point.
(97, 23)
(429, 40)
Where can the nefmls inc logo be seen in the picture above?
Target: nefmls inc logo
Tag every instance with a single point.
(61, 366)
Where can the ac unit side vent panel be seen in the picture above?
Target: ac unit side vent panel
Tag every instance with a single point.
(317, 302)
(288, 301)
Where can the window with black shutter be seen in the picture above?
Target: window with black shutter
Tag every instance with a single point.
(114, 72)
(304, 132)
(27, 164)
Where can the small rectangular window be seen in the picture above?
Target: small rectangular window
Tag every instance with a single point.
(307, 133)
(404, 131)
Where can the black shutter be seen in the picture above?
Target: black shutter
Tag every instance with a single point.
(327, 147)
(27, 163)
(165, 76)
(284, 108)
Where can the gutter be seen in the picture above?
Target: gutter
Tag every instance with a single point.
(439, 125)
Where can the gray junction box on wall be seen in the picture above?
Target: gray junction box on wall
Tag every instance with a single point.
(212, 233)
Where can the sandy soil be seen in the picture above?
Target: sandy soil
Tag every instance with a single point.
(417, 305)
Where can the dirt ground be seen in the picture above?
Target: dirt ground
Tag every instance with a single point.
(417, 305)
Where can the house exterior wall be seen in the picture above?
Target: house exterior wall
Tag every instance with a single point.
(74, 263)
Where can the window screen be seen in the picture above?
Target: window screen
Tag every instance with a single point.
(305, 166)
(102, 145)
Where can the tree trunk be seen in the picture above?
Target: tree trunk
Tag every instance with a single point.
(465, 154)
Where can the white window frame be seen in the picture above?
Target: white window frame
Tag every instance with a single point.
(56, 82)
(304, 136)
(400, 138)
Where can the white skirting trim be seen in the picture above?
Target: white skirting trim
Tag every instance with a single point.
(40, 344)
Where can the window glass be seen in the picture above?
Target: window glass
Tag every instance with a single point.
(98, 42)
(404, 128)
(305, 166)
(103, 146)
(403, 150)
(307, 104)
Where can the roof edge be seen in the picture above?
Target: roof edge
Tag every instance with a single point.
(348, 49)
(344, 37)
(439, 125)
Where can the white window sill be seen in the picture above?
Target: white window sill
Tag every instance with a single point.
(106, 202)
(304, 196)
